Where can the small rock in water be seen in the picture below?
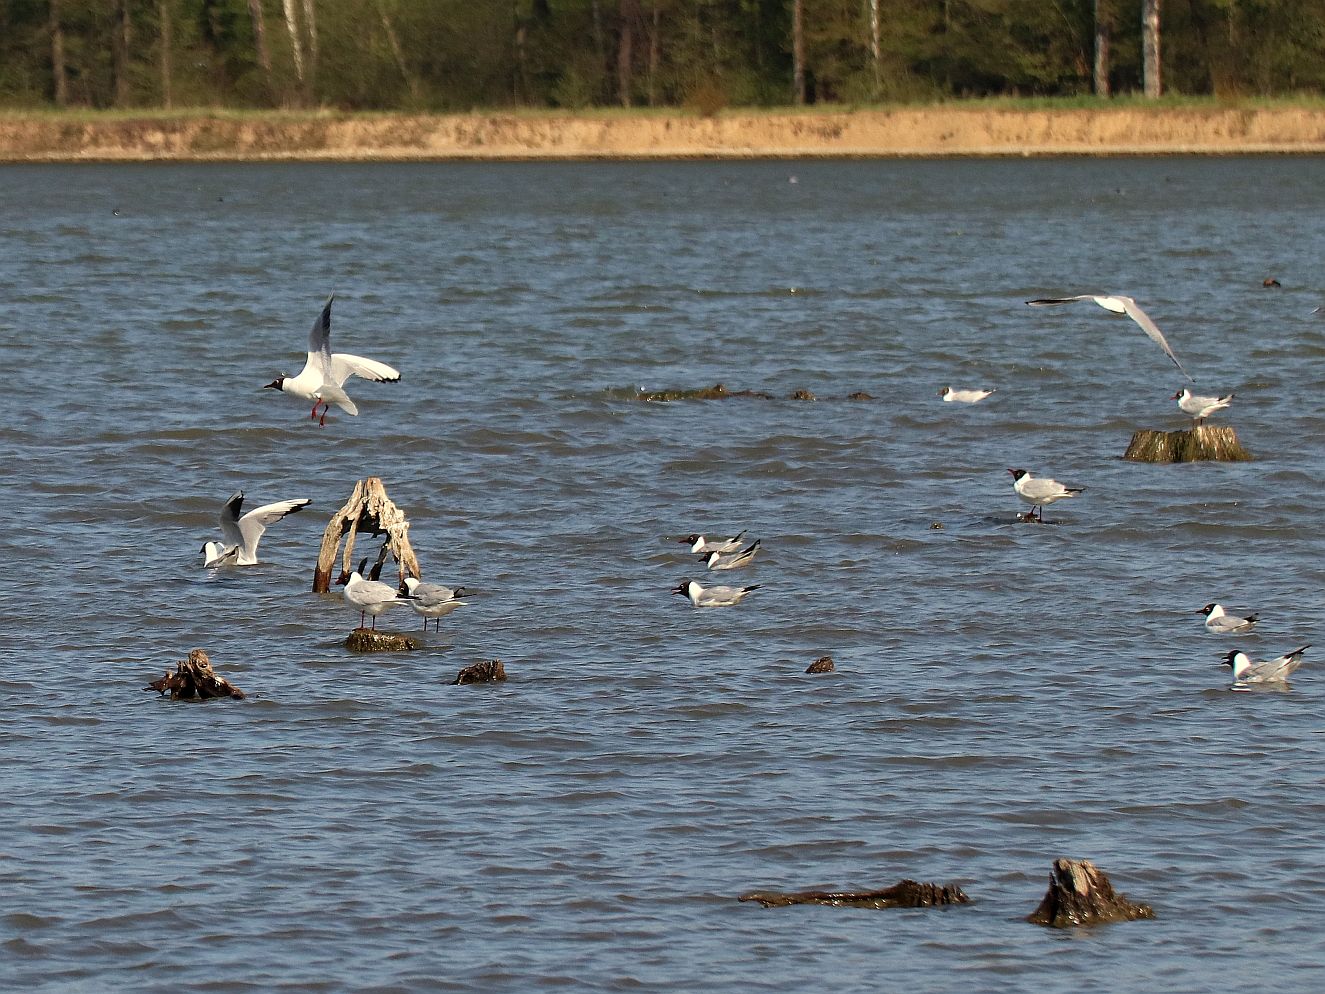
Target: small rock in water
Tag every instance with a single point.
(488, 671)
(824, 664)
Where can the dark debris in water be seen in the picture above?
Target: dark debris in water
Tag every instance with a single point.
(720, 392)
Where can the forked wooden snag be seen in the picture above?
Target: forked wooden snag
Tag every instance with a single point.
(368, 509)
(1080, 894)
(905, 894)
(1202, 443)
(195, 680)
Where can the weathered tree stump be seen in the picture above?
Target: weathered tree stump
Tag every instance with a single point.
(824, 664)
(371, 509)
(488, 671)
(1202, 443)
(370, 640)
(803, 394)
(1080, 894)
(194, 680)
(906, 894)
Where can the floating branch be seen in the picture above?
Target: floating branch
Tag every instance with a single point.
(368, 509)
(1080, 894)
(1202, 443)
(488, 671)
(194, 680)
(906, 894)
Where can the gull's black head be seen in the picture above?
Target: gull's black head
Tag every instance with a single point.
(1228, 659)
(1017, 474)
(683, 587)
(275, 384)
(1206, 610)
(690, 539)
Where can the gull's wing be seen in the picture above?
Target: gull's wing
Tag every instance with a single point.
(319, 342)
(230, 519)
(1143, 319)
(252, 525)
(1121, 305)
(1037, 488)
(344, 365)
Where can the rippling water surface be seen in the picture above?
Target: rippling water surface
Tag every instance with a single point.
(1005, 693)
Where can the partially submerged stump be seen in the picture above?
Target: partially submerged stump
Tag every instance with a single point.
(370, 640)
(488, 671)
(1080, 894)
(1201, 443)
(370, 509)
(824, 664)
(194, 680)
(906, 894)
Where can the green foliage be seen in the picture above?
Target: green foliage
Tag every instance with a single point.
(701, 54)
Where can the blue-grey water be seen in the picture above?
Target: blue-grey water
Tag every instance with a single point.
(1005, 693)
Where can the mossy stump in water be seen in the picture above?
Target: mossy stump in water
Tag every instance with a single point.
(195, 680)
(368, 640)
(1203, 443)
(906, 894)
(1080, 894)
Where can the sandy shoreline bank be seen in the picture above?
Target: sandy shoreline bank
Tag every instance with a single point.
(933, 131)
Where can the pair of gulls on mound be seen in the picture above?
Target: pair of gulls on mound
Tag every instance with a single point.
(718, 553)
(371, 596)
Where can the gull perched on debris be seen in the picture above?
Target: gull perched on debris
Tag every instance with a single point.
(371, 596)
(1039, 492)
(432, 600)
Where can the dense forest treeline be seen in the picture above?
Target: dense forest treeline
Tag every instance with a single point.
(440, 55)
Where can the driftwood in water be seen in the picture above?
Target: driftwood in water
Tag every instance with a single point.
(194, 680)
(824, 664)
(488, 671)
(720, 392)
(1202, 443)
(371, 640)
(369, 509)
(906, 894)
(1080, 894)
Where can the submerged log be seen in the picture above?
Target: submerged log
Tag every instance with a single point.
(488, 671)
(370, 640)
(906, 894)
(1202, 443)
(195, 680)
(824, 664)
(1080, 894)
(368, 508)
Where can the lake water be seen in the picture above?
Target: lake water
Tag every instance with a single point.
(1005, 693)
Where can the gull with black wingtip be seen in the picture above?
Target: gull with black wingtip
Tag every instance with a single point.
(1039, 492)
(242, 534)
(323, 377)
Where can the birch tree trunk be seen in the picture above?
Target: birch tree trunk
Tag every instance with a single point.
(797, 52)
(1150, 47)
(260, 38)
(59, 72)
(310, 25)
(397, 53)
(296, 41)
(1102, 34)
(167, 41)
(876, 51)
